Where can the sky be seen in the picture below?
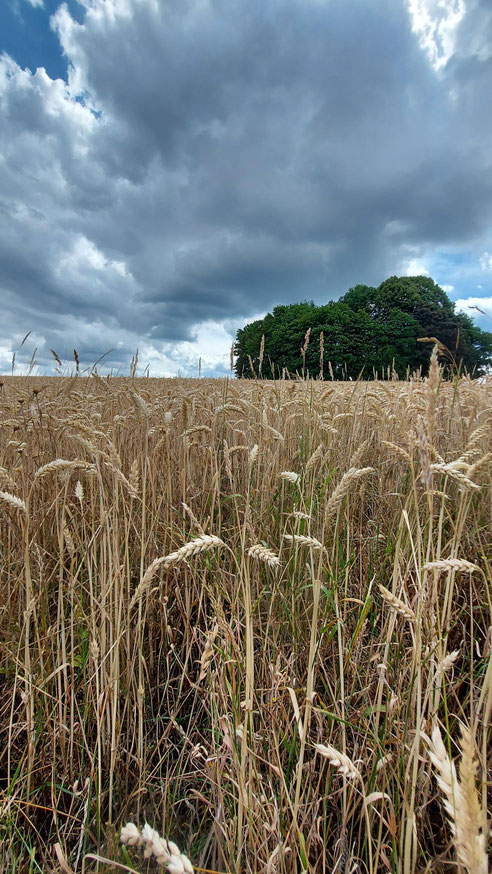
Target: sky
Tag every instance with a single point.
(172, 169)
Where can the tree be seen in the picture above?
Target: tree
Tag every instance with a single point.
(368, 329)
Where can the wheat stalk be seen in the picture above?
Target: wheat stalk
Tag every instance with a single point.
(134, 478)
(478, 434)
(120, 476)
(276, 434)
(262, 352)
(192, 516)
(432, 389)
(359, 454)
(68, 539)
(198, 429)
(399, 449)
(448, 661)
(298, 514)
(139, 402)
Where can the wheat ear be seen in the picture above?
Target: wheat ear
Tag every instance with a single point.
(290, 476)
(482, 464)
(262, 553)
(253, 455)
(339, 760)
(451, 564)
(200, 544)
(6, 479)
(456, 475)
(461, 801)
(343, 487)
(13, 501)
(397, 605)
(315, 457)
(303, 540)
(167, 853)
(60, 464)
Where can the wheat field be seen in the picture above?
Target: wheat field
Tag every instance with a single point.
(254, 615)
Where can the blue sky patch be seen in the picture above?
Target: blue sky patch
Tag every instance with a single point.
(26, 34)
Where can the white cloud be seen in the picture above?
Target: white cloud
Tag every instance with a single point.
(436, 22)
(468, 306)
(212, 344)
(447, 288)
(413, 267)
(35, 2)
(83, 257)
(486, 261)
(5, 358)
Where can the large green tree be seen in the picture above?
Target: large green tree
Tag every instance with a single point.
(366, 331)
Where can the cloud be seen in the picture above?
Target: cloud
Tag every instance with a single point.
(485, 303)
(415, 268)
(436, 24)
(486, 261)
(480, 308)
(208, 160)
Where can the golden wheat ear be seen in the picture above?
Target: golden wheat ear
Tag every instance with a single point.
(460, 799)
(13, 501)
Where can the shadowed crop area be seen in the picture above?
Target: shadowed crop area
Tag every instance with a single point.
(254, 615)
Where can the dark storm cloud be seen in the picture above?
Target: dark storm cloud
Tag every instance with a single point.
(208, 160)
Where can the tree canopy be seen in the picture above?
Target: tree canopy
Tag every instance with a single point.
(364, 333)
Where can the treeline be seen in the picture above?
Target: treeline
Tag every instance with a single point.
(366, 333)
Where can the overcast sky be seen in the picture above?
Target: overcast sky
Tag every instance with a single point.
(171, 169)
